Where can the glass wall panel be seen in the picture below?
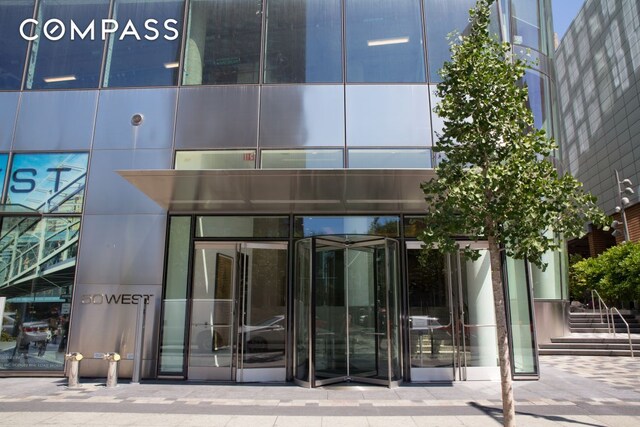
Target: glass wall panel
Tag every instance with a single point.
(37, 270)
(548, 284)
(51, 182)
(242, 226)
(302, 159)
(384, 41)
(522, 343)
(526, 23)
(149, 57)
(58, 61)
(223, 42)
(443, 17)
(13, 48)
(303, 41)
(4, 162)
(306, 226)
(539, 99)
(175, 302)
(390, 158)
(222, 159)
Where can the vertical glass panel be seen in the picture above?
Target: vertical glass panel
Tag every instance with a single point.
(387, 158)
(264, 305)
(387, 226)
(384, 41)
(539, 100)
(393, 308)
(223, 42)
(522, 344)
(175, 302)
(430, 323)
(301, 309)
(442, 18)
(13, 48)
(242, 226)
(331, 352)
(302, 159)
(52, 182)
(37, 271)
(213, 293)
(151, 56)
(303, 41)
(526, 23)
(413, 226)
(65, 63)
(219, 159)
(548, 284)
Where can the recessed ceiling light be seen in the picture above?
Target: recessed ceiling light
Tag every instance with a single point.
(384, 42)
(171, 64)
(60, 79)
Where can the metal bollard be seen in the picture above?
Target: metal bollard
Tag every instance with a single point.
(112, 373)
(74, 363)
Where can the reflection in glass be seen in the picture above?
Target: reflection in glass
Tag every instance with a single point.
(175, 303)
(384, 41)
(430, 323)
(51, 182)
(301, 309)
(223, 42)
(539, 97)
(520, 318)
(142, 62)
(305, 226)
(13, 47)
(4, 159)
(526, 23)
(66, 63)
(303, 41)
(216, 159)
(37, 270)
(302, 159)
(242, 226)
(444, 17)
(374, 158)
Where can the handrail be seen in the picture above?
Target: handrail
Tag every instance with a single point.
(600, 304)
(628, 330)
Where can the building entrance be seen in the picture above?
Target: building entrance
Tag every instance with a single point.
(346, 310)
(238, 312)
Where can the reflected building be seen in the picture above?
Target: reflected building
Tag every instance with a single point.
(597, 63)
(247, 172)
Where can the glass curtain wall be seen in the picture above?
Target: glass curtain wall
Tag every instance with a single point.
(67, 63)
(303, 41)
(146, 58)
(13, 48)
(384, 41)
(223, 42)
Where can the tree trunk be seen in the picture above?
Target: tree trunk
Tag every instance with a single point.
(508, 404)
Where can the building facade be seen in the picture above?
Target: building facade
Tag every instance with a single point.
(244, 176)
(597, 67)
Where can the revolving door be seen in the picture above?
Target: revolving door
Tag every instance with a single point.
(346, 311)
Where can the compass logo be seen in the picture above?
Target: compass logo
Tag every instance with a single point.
(55, 29)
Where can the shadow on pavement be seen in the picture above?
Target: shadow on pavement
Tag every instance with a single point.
(496, 414)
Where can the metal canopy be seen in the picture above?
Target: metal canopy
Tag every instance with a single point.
(283, 191)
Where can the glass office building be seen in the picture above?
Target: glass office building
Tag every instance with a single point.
(248, 172)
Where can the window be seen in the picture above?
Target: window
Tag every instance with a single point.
(51, 182)
(66, 63)
(223, 42)
(135, 60)
(384, 41)
(13, 48)
(390, 158)
(302, 159)
(539, 99)
(526, 23)
(303, 41)
(222, 159)
(306, 226)
(444, 17)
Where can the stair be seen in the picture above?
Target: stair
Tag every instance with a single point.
(589, 337)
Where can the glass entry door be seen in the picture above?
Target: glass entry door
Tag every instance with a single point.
(238, 312)
(346, 313)
(452, 330)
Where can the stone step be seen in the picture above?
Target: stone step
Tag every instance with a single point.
(583, 352)
(618, 339)
(598, 324)
(627, 317)
(590, 346)
(603, 330)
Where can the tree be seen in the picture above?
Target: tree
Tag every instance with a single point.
(496, 181)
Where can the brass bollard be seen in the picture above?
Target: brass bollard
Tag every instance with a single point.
(74, 363)
(112, 373)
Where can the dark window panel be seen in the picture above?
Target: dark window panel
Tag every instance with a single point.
(13, 48)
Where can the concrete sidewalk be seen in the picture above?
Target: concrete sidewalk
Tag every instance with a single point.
(585, 391)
